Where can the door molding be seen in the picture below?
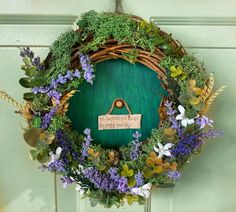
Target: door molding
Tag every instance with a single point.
(194, 21)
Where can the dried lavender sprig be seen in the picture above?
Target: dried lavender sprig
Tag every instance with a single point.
(211, 134)
(87, 68)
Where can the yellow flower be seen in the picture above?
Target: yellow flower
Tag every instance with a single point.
(126, 172)
(196, 90)
(131, 199)
(177, 72)
(170, 133)
(194, 100)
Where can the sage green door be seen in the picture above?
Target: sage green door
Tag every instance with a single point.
(206, 28)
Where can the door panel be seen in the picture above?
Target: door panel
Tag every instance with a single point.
(208, 182)
(23, 187)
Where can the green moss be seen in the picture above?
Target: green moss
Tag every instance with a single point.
(36, 122)
(61, 53)
(40, 102)
(58, 122)
(195, 71)
(121, 27)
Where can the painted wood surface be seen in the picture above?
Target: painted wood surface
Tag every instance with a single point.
(135, 83)
(207, 28)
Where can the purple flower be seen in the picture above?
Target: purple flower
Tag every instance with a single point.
(54, 83)
(135, 149)
(87, 68)
(139, 179)
(56, 95)
(211, 134)
(100, 181)
(40, 89)
(113, 171)
(50, 89)
(88, 76)
(185, 147)
(202, 121)
(27, 52)
(69, 75)
(36, 62)
(137, 135)
(87, 140)
(61, 79)
(123, 185)
(77, 73)
(64, 142)
(66, 181)
(174, 175)
(58, 166)
(47, 117)
(171, 112)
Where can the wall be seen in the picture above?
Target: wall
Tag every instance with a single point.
(206, 28)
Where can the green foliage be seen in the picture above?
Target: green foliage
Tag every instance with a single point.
(40, 153)
(31, 136)
(123, 28)
(40, 102)
(103, 26)
(131, 55)
(58, 122)
(193, 70)
(29, 96)
(36, 122)
(61, 53)
(157, 135)
(72, 85)
(105, 199)
(34, 78)
(190, 65)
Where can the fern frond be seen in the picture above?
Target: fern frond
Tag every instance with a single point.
(210, 100)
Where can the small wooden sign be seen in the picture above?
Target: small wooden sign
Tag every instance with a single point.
(110, 122)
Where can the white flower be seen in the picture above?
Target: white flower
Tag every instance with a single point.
(163, 150)
(184, 120)
(143, 191)
(79, 189)
(56, 156)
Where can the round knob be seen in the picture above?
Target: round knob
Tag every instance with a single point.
(119, 103)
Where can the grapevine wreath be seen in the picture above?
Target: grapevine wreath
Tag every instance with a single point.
(111, 176)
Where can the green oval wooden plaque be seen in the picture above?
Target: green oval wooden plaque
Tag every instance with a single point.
(135, 83)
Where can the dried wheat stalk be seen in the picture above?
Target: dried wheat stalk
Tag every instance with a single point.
(63, 107)
(208, 89)
(210, 100)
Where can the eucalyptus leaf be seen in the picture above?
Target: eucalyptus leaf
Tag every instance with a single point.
(31, 136)
(29, 96)
(101, 167)
(31, 71)
(26, 82)
(94, 202)
(41, 145)
(33, 154)
(43, 157)
(38, 82)
(190, 113)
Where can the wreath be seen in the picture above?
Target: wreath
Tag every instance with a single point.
(109, 176)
